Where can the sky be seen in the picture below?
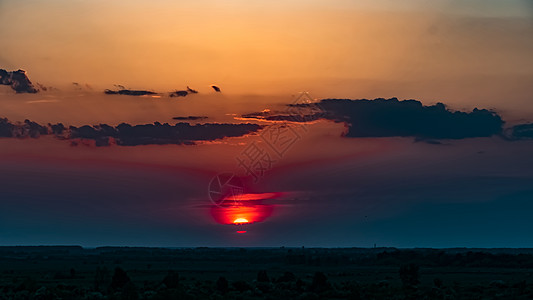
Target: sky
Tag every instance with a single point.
(344, 173)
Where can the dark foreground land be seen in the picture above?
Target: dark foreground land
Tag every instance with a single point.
(271, 273)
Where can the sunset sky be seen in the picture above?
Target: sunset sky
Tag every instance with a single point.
(388, 173)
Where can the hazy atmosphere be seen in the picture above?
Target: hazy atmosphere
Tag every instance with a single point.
(266, 123)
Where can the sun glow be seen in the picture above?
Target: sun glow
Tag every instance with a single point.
(243, 209)
(252, 197)
(240, 221)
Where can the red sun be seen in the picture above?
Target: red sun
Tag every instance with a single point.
(243, 209)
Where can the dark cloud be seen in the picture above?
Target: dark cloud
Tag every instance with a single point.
(284, 116)
(183, 93)
(431, 142)
(191, 90)
(121, 90)
(394, 118)
(6, 128)
(192, 118)
(382, 118)
(27, 129)
(129, 92)
(57, 129)
(80, 86)
(179, 94)
(127, 134)
(42, 86)
(160, 134)
(520, 132)
(18, 80)
(45, 88)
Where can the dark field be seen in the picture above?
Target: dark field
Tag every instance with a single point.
(264, 273)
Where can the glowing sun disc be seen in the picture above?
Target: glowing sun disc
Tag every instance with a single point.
(240, 221)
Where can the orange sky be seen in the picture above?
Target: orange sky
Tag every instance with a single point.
(448, 51)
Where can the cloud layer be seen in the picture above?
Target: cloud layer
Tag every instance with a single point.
(192, 118)
(124, 91)
(129, 92)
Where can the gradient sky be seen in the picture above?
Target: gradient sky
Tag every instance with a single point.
(450, 50)
(334, 190)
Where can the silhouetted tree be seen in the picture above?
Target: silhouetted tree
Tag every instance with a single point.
(409, 275)
(241, 286)
(300, 285)
(320, 282)
(100, 277)
(120, 278)
(287, 277)
(172, 280)
(353, 290)
(262, 276)
(44, 294)
(129, 292)
(222, 285)
(28, 284)
(438, 282)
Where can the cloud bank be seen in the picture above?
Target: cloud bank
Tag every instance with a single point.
(160, 134)
(127, 134)
(25, 129)
(394, 118)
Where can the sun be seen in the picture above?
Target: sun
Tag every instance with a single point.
(240, 221)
